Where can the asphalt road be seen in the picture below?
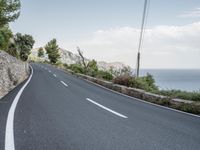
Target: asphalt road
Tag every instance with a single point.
(58, 111)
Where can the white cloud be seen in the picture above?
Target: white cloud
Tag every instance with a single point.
(195, 13)
(164, 46)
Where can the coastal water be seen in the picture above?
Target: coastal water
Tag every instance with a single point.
(188, 80)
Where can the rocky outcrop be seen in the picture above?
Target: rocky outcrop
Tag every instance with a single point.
(117, 66)
(68, 57)
(12, 72)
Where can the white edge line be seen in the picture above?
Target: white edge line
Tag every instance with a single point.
(179, 111)
(9, 133)
(106, 108)
(64, 83)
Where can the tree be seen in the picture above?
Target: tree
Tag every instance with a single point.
(82, 58)
(9, 11)
(92, 68)
(5, 36)
(24, 44)
(12, 49)
(40, 52)
(52, 50)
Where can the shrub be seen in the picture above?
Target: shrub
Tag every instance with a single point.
(123, 80)
(92, 68)
(104, 75)
(139, 83)
(59, 64)
(191, 108)
(146, 83)
(66, 66)
(149, 83)
(76, 68)
(194, 96)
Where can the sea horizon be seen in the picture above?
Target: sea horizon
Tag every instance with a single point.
(179, 79)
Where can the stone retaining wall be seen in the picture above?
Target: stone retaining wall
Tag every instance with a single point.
(12, 72)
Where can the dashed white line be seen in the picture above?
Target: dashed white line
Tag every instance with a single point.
(49, 71)
(9, 133)
(54, 75)
(64, 83)
(106, 108)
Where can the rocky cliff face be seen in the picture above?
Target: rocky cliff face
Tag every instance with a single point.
(113, 65)
(68, 57)
(12, 72)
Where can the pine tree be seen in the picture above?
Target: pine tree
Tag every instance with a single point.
(40, 52)
(24, 44)
(52, 50)
(9, 11)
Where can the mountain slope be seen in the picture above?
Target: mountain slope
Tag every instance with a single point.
(68, 57)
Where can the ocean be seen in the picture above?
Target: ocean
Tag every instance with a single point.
(183, 79)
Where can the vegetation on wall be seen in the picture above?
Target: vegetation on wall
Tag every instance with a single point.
(16, 45)
(146, 83)
(5, 36)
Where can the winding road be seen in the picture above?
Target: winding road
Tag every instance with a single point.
(53, 110)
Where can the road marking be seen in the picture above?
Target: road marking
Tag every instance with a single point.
(54, 75)
(9, 133)
(64, 83)
(49, 71)
(106, 108)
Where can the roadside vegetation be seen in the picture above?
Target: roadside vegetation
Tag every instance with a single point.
(146, 83)
(52, 51)
(92, 70)
(193, 96)
(17, 45)
(126, 77)
(40, 52)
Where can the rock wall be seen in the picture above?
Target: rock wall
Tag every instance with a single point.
(12, 72)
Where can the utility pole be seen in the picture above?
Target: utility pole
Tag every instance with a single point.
(141, 38)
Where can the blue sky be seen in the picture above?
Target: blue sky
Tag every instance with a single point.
(91, 25)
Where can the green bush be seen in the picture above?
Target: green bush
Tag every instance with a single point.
(194, 96)
(76, 68)
(104, 75)
(123, 80)
(146, 83)
(92, 70)
(139, 83)
(59, 64)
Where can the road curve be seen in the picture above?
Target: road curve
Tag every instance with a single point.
(58, 111)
